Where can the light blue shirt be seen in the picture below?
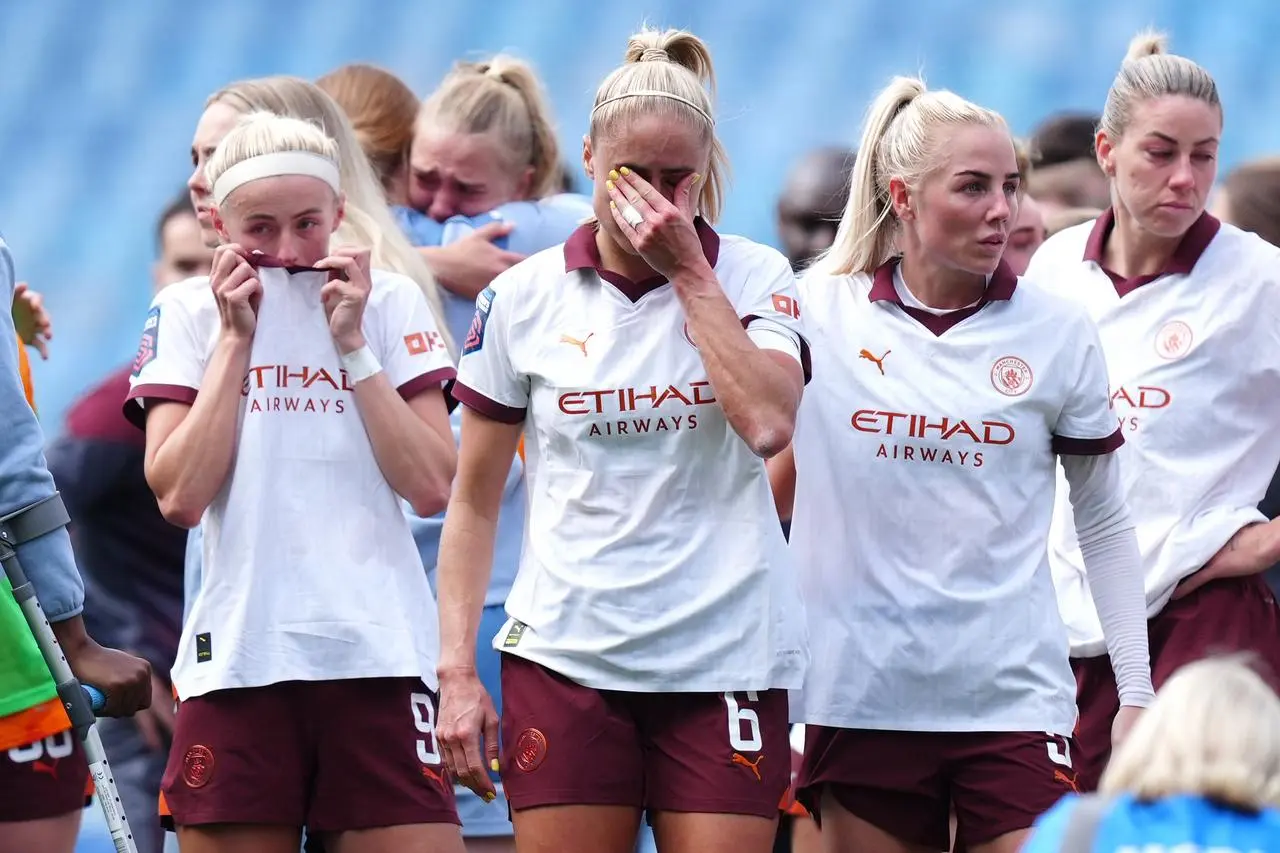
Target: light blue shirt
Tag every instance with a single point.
(507, 542)
(24, 476)
(1187, 824)
(538, 225)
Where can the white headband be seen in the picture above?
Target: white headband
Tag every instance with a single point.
(274, 165)
(654, 93)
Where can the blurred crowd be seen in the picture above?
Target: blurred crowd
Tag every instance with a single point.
(452, 167)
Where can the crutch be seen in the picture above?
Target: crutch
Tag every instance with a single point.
(80, 701)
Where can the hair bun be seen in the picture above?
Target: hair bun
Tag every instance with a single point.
(1147, 43)
(654, 54)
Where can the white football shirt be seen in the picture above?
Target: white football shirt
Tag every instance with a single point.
(925, 451)
(310, 571)
(1195, 382)
(653, 557)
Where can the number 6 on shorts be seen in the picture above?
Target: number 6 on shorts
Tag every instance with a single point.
(740, 718)
(424, 718)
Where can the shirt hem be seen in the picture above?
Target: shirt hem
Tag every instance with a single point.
(188, 689)
(647, 684)
(1064, 729)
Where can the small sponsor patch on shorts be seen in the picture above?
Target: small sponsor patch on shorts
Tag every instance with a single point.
(514, 635)
(204, 647)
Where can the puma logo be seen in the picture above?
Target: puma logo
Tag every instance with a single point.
(580, 344)
(434, 775)
(878, 362)
(48, 767)
(753, 766)
(1069, 781)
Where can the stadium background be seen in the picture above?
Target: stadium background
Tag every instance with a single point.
(98, 102)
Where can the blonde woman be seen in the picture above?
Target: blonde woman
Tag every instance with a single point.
(923, 465)
(287, 411)
(368, 222)
(655, 627)
(1200, 770)
(1187, 309)
(485, 157)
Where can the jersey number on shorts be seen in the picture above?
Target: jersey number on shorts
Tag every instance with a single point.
(744, 724)
(1059, 750)
(424, 718)
(54, 746)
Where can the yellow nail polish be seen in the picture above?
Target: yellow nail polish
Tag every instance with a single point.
(626, 171)
(613, 173)
(696, 177)
(493, 765)
(490, 797)
(613, 205)
(609, 184)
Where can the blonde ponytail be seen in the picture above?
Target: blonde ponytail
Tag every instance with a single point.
(901, 139)
(502, 96)
(864, 238)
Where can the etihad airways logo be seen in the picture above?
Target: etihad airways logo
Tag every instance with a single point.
(958, 436)
(1138, 402)
(639, 410)
(279, 387)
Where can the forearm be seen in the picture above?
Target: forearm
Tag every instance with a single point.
(462, 578)
(1256, 547)
(416, 459)
(1113, 563)
(758, 398)
(1115, 582)
(191, 466)
(71, 634)
(449, 269)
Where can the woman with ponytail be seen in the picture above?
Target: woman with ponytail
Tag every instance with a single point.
(485, 169)
(654, 626)
(924, 458)
(1188, 309)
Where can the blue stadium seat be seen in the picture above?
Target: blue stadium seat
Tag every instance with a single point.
(98, 101)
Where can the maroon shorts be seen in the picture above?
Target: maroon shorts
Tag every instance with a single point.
(906, 782)
(328, 755)
(1231, 615)
(44, 779)
(565, 744)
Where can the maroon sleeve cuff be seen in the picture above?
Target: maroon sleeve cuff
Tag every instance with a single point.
(435, 379)
(137, 415)
(1064, 446)
(806, 362)
(478, 402)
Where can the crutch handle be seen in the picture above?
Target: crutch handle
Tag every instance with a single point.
(97, 700)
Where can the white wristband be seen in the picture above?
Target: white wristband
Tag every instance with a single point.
(361, 364)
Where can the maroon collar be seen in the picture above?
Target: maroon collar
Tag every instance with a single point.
(999, 289)
(582, 253)
(264, 260)
(1181, 262)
